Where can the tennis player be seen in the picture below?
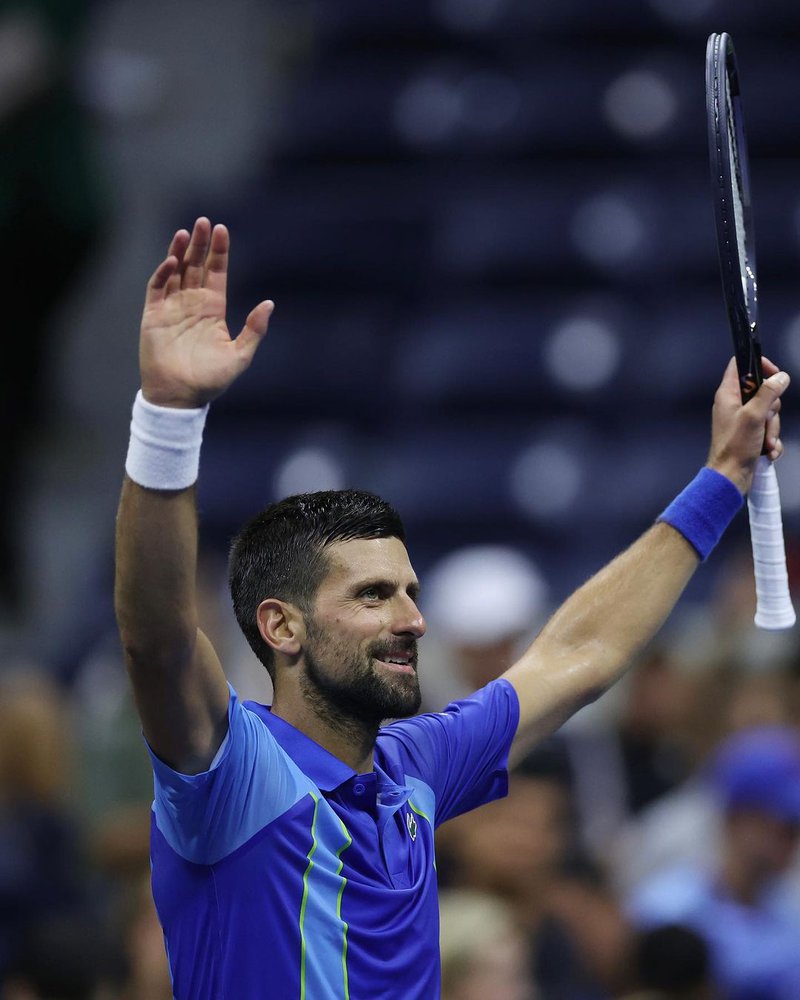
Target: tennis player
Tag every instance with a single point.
(292, 845)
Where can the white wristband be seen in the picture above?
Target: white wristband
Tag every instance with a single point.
(164, 447)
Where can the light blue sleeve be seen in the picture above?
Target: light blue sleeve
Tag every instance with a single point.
(460, 754)
(251, 782)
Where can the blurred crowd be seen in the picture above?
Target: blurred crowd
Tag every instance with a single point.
(648, 849)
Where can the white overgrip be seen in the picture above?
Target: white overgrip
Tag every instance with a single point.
(774, 608)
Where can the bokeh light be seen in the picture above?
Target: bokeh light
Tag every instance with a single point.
(306, 470)
(545, 480)
(608, 230)
(582, 353)
(640, 104)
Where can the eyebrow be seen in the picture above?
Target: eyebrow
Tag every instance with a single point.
(412, 589)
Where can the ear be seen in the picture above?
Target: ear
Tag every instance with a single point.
(281, 626)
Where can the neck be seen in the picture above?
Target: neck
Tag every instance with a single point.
(351, 740)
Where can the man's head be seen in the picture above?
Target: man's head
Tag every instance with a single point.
(756, 774)
(322, 581)
(484, 600)
(516, 845)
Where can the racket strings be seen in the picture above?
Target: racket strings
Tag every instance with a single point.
(745, 270)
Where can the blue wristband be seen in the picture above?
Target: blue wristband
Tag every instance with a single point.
(703, 510)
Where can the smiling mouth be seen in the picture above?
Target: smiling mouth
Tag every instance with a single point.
(401, 664)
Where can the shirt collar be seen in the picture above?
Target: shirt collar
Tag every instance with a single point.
(326, 771)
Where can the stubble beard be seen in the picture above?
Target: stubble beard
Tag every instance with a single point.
(350, 687)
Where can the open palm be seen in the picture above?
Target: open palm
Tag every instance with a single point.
(187, 356)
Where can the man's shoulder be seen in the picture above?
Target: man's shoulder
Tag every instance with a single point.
(442, 730)
(484, 698)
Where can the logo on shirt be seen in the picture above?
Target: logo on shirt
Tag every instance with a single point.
(411, 823)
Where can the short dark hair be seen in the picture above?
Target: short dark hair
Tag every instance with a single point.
(281, 551)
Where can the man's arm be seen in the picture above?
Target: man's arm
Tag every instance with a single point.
(187, 358)
(592, 638)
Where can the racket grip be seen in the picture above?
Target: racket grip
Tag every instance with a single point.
(774, 608)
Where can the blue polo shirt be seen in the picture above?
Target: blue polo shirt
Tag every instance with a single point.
(282, 873)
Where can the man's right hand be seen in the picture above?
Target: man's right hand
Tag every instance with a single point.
(187, 356)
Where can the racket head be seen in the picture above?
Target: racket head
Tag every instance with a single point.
(730, 177)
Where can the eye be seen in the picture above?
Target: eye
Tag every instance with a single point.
(371, 593)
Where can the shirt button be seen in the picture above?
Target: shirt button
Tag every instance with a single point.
(358, 789)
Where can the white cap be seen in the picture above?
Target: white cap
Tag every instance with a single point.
(483, 593)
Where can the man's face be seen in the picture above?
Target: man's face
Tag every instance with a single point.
(766, 844)
(360, 651)
(514, 845)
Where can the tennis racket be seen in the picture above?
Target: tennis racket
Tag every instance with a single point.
(736, 244)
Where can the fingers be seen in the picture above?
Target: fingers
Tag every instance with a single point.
(167, 270)
(177, 249)
(195, 257)
(768, 395)
(157, 284)
(255, 326)
(180, 241)
(730, 388)
(742, 432)
(765, 408)
(216, 267)
(773, 446)
(194, 260)
(764, 402)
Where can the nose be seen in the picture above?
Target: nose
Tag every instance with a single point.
(408, 619)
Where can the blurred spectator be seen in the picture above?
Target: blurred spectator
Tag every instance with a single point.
(483, 604)
(627, 760)
(520, 849)
(43, 870)
(719, 633)
(761, 699)
(66, 958)
(120, 853)
(742, 905)
(672, 963)
(143, 942)
(685, 824)
(484, 952)
(51, 212)
(585, 915)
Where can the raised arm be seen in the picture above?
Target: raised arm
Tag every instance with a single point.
(186, 358)
(592, 638)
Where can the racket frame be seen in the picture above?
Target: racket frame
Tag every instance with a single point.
(734, 244)
(730, 171)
